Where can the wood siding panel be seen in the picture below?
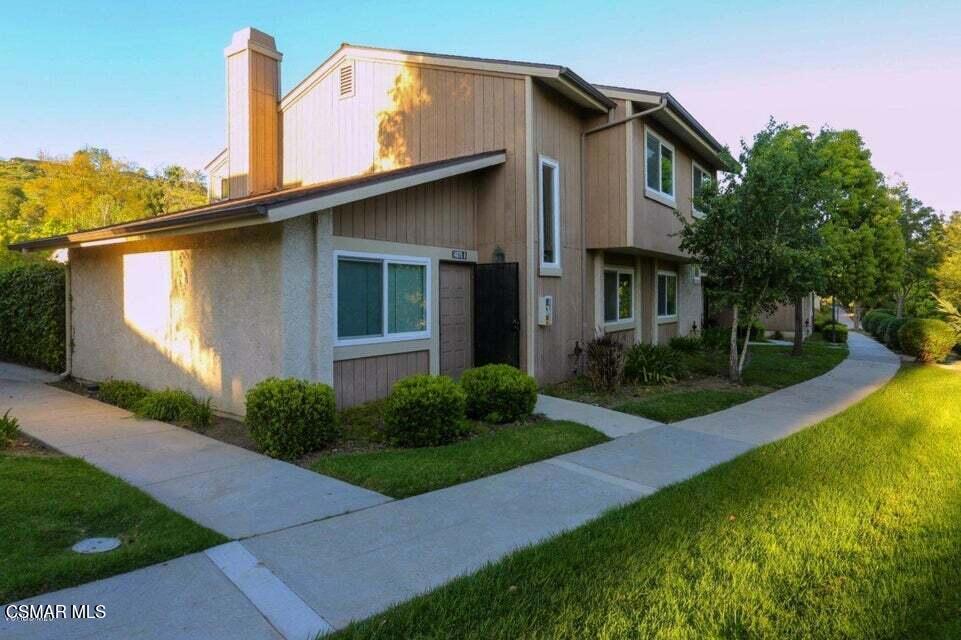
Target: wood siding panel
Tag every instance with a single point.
(557, 134)
(440, 214)
(366, 379)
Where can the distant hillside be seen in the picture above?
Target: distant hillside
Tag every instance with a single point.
(49, 196)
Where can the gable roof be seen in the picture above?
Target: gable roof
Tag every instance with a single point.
(274, 206)
(561, 78)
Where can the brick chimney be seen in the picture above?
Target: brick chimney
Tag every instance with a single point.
(253, 119)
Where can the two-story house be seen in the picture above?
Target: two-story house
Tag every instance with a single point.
(397, 213)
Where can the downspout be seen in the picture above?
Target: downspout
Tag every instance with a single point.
(584, 134)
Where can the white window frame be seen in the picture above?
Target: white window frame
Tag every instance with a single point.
(656, 194)
(619, 271)
(696, 167)
(543, 161)
(385, 259)
(657, 287)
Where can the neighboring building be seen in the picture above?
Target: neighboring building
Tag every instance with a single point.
(397, 213)
(782, 318)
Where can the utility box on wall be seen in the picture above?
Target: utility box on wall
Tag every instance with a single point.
(545, 311)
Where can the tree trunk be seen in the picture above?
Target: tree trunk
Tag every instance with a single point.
(900, 298)
(798, 327)
(747, 341)
(857, 315)
(732, 369)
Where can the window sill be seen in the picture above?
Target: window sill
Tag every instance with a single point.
(400, 337)
(548, 271)
(619, 325)
(666, 319)
(698, 214)
(657, 196)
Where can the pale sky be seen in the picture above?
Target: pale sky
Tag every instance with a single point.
(146, 80)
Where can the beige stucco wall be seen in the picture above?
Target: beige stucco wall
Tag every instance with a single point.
(198, 313)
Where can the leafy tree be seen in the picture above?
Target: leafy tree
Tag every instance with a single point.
(864, 249)
(921, 229)
(948, 272)
(759, 231)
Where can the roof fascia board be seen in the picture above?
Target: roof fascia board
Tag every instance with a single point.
(287, 210)
(218, 159)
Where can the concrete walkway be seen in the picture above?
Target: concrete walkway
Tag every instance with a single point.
(226, 488)
(321, 575)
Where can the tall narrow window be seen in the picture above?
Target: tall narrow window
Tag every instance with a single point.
(550, 214)
(699, 179)
(659, 167)
(666, 295)
(618, 295)
(381, 298)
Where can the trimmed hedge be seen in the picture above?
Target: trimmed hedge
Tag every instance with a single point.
(872, 319)
(835, 332)
(122, 393)
(33, 315)
(288, 417)
(498, 393)
(425, 411)
(891, 330)
(927, 339)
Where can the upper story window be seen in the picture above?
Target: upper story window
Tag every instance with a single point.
(659, 167)
(699, 178)
(381, 298)
(550, 212)
(618, 295)
(666, 295)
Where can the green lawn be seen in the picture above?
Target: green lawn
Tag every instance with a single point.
(704, 388)
(51, 502)
(849, 529)
(406, 472)
(680, 405)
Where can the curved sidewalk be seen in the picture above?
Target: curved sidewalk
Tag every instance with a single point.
(322, 575)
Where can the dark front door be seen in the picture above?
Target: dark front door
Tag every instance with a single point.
(496, 314)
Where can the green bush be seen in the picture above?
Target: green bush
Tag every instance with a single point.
(174, 405)
(891, 332)
(652, 364)
(835, 332)
(872, 319)
(687, 344)
(33, 315)
(288, 417)
(122, 393)
(927, 339)
(498, 393)
(881, 327)
(716, 338)
(9, 429)
(425, 411)
(821, 318)
(756, 331)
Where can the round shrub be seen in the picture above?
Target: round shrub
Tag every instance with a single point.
(835, 332)
(425, 411)
(891, 333)
(498, 393)
(881, 327)
(288, 418)
(122, 393)
(927, 339)
(871, 320)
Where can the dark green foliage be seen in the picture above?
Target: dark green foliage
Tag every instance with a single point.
(9, 429)
(872, 318)
(652, 364)
(425, 411)
(687, 344)
(927, 339)
(756, 331)
(891, 332)
(835, 332)
(881, 327)
(822, 317)
(498, 393)
(125, 394)
(288, 418)
(176, 406)
(33, 315)
(716, 338)
(605, 360)
(778, 335)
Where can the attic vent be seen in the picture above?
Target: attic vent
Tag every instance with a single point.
(347, 80)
